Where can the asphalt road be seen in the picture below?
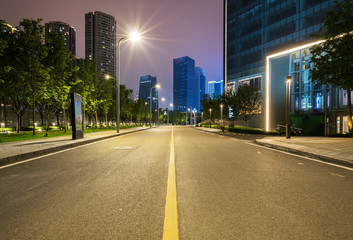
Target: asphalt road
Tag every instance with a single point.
(226, 189)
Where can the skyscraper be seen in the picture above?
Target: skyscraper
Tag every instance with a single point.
(146, 83)
(200, 80)
(215, 88)
(101, 42)
(184, 84)
(258, 28)
(68, 31)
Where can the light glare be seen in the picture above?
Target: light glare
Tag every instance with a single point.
(135, 36)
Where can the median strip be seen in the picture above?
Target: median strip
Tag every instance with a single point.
(170, 231)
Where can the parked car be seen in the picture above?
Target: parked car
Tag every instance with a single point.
(281, 129)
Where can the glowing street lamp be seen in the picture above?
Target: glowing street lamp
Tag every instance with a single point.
(210, 117)
(288, 86)
(221, 116)
(134, 36)
(171, 105)
(157, 86)
(158, 108)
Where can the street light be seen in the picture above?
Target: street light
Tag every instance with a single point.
(288, 85)
(210, 117)
(158, 108)
(134, 36)
(171, 105)
(221, 116)
(156, 86)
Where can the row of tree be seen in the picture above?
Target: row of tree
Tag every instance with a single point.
(244, 104)
(38, 73)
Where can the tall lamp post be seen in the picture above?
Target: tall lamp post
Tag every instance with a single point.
(210, 117)
(134, 37)
(158, 108)
(156, 86)
(171, 105)
(288, 85)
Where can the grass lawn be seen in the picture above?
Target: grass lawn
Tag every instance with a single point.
(28, 135)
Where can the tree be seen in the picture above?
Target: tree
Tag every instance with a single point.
(248, 101)
(33, 52)
(126, 103)
(106, 97)
(333, 59)
(14, 88)
(60, 64)
(85, 74)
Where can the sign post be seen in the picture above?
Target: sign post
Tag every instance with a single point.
(76, 116)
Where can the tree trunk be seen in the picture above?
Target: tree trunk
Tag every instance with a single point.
(18, 122)
(84, 116)
(47, 115)
(349, 111)
(57, 114)
(64, 112)
(96, 116)
(106, 120)
(33, 117)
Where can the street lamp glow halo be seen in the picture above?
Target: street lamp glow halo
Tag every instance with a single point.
(135, 36)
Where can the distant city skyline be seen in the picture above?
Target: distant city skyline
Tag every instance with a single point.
(168, 28)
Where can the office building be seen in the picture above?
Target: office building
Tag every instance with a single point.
(184, 84)
(200, 80)
(146, 83)
(101, 42)
(68, 31)
(215, 88)
(256, 29)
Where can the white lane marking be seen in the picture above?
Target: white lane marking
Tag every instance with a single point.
(300, 163)
(258, 152)
(337, 175)
(65, 150)
(311, 159)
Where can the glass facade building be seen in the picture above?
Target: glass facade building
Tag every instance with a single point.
(215, 88)
(200, 86)
(258, 28)
(146, 83)
(184, 84)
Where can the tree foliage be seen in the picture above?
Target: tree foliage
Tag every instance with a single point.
(333, 59)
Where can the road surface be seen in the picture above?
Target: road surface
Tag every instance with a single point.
(226, 188)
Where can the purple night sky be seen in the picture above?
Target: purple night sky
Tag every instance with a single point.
(170, 29)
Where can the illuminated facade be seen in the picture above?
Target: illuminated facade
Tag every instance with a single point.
(200, 86)
(183, 83)
(215, 88)
(68, 31)
(146, 83)
(307, 97)
(100, 39)
(259, 28)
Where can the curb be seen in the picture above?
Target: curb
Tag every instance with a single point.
(287, 149)
(25, 156)
(306, 154)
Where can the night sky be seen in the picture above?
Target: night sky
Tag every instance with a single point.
(171, 29)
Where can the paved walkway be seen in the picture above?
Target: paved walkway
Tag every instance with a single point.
(21, 150)
(336, 150)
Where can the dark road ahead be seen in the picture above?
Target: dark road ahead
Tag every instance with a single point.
(226, 188)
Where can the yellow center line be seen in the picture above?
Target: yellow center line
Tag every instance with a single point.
(170, 231)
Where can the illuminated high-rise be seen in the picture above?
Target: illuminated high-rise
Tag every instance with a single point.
(101, 42)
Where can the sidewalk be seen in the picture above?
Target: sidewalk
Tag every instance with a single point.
(335, 150)
(21, 150)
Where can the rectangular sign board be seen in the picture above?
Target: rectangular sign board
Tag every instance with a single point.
(76, 116)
